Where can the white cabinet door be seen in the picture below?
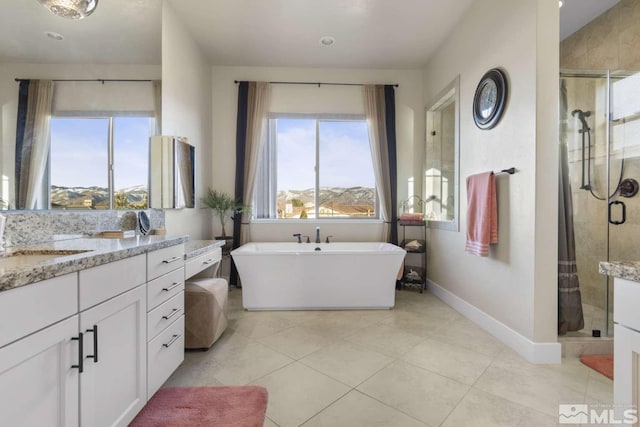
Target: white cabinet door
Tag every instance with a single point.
(38, 385)
(113, 385)
(626, 367)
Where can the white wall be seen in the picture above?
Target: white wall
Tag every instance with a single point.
(517, 284)
(9, 100)
(186, 111)
(409, 132)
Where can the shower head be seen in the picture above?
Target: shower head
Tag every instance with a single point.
(582, 115)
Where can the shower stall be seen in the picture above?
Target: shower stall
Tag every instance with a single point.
(600, 142)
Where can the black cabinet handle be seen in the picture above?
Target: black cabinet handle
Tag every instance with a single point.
(80, 365)
(170, 343)
(209, 261)
(624, 212)
(170, 315)
(94, 331)
(174, 259)
(173, 286)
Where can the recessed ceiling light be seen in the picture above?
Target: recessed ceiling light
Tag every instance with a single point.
(327, 40)
(54, 36)
(560, 2)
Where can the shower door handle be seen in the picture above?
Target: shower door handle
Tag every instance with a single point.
(624, 212)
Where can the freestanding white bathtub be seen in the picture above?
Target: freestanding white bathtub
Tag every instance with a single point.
(297, 276)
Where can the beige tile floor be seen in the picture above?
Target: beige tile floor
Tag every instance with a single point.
(419, 364)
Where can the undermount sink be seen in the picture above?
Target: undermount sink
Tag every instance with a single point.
(29, 257)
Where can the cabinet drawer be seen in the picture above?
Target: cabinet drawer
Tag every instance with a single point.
(626, 296)
(161, 289)
(165, 353)
(199, 263)
(33, 307)
(100, 283)
(164, 260)
(164, 315)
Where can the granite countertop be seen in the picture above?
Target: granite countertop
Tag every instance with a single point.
(193, 248)
(98, 251)
(629, 270)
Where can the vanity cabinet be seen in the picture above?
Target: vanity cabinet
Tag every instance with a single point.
(626, 385)
(89, 348)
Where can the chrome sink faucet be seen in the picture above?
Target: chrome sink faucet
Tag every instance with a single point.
(317, 234)
(299, 236)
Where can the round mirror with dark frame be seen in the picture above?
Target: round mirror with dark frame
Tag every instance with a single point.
(490, 99)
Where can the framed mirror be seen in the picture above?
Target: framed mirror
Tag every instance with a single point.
(172, 173)
(87, 146)
(441, 171)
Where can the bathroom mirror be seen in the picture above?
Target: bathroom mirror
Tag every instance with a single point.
(172, 173)
(441, 172)
(120, 41)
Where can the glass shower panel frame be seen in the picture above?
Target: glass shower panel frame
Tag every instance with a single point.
(587, 136)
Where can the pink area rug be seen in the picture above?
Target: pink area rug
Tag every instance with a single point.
(243, 406)
(601, 363)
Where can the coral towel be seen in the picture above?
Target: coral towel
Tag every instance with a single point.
(482, 213)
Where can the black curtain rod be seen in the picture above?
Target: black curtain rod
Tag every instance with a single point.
(92, 80)
(318, 83)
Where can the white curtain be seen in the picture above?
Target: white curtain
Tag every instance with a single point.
(374, 108)
(34, 146)
(257, 105)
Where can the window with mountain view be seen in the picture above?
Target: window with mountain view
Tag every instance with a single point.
(316, 167)
(80, 172)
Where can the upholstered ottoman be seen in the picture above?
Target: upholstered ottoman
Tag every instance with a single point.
(205, 311)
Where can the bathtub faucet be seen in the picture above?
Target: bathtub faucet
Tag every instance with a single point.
(299, 236)
(317, 234)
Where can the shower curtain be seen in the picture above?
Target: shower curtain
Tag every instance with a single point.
(570, 316)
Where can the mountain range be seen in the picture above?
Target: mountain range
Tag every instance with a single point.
(78, 197)
(336, 196)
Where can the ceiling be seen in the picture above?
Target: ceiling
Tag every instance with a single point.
(118, 32)
(368, 33)
(575, 14)
(282, 33)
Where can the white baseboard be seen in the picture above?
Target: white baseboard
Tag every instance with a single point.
(534, 352)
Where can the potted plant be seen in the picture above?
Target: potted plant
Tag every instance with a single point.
(225, 207)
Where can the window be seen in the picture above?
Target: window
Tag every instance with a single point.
(99, 162)
(316, 167)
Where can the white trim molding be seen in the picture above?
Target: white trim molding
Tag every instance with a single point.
(534, 352)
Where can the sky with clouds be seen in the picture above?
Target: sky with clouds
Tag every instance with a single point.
(79, 152)
(344, 157)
